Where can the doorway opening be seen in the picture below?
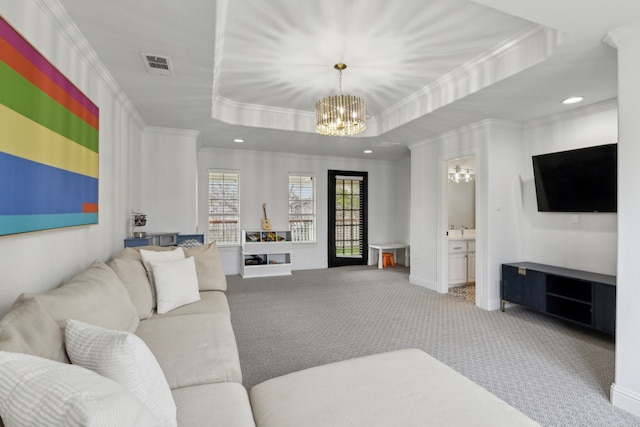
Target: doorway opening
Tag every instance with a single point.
(461, 233)
(347, 204)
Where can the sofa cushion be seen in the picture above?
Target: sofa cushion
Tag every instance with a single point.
(41, 392)
(95, 296)
(148, 256)
(194, 348)
(221, 404)
(176, 283)
(400, 388)
(124, 358)
(210, 302)
(208, 266)
(158, 253)
(211, 276)
(133, 275)
(28, 328)
(134, 253)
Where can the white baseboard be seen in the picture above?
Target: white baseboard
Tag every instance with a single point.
(422, 282)
(489, 305)
(310, 266)
(625, 399)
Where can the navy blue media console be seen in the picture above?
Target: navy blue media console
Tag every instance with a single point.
(580, 297)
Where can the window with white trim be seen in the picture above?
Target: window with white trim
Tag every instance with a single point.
(224, 207)
(302, 208)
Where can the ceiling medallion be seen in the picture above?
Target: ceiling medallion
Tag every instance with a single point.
(340, 115)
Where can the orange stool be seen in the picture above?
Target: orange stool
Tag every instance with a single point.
(387, 259)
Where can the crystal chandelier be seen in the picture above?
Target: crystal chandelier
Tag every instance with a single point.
(459, 177)
(340, 115)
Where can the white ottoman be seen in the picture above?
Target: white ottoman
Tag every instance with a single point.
(398, 389)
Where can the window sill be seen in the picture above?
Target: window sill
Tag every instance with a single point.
(304, 244)
(229, 248)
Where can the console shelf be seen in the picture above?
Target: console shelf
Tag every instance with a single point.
(581, 297)
(266, 253)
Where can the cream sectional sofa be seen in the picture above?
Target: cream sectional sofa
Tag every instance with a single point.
(195, 347)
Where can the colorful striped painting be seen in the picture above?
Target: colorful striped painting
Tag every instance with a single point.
(48, 143)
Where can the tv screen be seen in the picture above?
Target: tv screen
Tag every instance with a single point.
(583, 180)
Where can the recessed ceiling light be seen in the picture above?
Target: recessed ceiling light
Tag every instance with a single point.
(238, 140)
(573, 100)
(368, 151)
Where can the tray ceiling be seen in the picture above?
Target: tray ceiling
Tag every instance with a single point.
(253, 69)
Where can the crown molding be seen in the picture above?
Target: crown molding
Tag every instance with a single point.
(507, 59)
(76, 40)
(617, 37)
(155, 130)
(262, 116)
(522, 52)
(586, 110)
(482, 125)
(295, 156)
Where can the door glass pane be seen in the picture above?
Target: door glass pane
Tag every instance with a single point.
(348, 206)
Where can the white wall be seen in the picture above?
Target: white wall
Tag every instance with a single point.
(625, 392)
(264, 179)
(424, 215)
(36, 262)
(555, 238)
(509, 226)
(498, 229)
(168, 181)
(496, 147)
(401, 216)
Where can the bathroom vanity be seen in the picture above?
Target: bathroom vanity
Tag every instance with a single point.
(462, 257)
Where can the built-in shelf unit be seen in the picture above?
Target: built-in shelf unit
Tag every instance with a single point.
(266, 253)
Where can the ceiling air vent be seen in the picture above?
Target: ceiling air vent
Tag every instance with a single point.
(158, 65)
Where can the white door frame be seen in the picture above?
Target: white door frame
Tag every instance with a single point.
(442, 285)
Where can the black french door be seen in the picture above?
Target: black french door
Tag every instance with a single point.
(347, 240)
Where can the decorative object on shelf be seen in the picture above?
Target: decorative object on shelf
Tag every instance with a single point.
(253, 236)
(254, 260)
(266, 223)
(458, 177)
(138, 220)
(340, 115)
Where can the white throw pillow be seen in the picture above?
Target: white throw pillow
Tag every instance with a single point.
(124, 358)
(176, 283)
(42, 392)
(150, 256)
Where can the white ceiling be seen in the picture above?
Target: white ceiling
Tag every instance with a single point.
(253, 69)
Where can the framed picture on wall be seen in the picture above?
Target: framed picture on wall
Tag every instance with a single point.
(49, 156)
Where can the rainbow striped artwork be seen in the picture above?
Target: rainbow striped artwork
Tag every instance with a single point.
(48, 143)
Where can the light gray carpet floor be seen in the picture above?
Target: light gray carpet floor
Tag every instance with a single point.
(557, 373)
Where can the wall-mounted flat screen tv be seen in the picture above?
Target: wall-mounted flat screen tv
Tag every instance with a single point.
(583, 180)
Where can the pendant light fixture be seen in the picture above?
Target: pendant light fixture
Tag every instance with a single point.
(459, 177)
(340, 115)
